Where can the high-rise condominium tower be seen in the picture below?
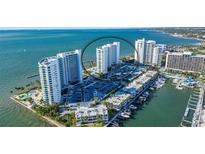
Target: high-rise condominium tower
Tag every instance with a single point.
(102, 59)
(106, 56)
(50, 80)
(57, 72)
(140, 48)
(145, 51)
(156, 57)
(70, 67)
(150, 45)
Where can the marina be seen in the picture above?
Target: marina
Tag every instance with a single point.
(41, 45)
(150, 115)
(194, 109)
(128, 109)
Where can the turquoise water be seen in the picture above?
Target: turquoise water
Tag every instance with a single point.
(21, 50)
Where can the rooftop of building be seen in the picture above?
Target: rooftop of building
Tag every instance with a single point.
(202, 56)
(73, 52)
(151, 41)
(119, 98)
(145, 41)
(163, 45)
(84, 111)
(140, 40)
(108, 45)
(47, 60)
(123, 94)
(188, 53)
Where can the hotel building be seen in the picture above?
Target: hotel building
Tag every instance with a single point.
(185, 62)
(106, 56)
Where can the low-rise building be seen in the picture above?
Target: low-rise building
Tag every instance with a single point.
(119, 98)
(131, 90)
(91, 115)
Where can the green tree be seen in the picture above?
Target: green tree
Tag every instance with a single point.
(99, 119)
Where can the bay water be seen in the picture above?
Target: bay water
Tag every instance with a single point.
(20, 51)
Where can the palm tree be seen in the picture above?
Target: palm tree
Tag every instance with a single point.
(95, 100)
(99, 119)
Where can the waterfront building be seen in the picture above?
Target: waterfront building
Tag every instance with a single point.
(162, 47)
(156, 57)
(124, 95)
(50, 80)
(185, 61)
(113, 53)
(91, 115)
(149, 48)
(119, 99)
(106, 56)
(140, 48)
(70, 67)
(145, 51)
(102, 59)
(58, 72)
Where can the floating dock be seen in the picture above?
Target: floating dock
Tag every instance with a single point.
(194, 108)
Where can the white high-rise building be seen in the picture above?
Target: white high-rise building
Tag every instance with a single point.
(70, 67)
(50, 80)
(149, 52)
(140, 48)
(111, 54)
(150, 45)
(117, 56)
(57, 72)
(102, 59)
(156, 56)
(107, 55)
(162, 47)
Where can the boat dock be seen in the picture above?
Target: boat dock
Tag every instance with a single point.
(194, 108)
(128, 104)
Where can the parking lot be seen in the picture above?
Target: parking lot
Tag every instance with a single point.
(92, 88)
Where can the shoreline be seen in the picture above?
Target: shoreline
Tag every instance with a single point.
(184, 37)
(47, 119)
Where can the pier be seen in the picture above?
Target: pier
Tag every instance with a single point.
(32, 76)
(126, 105)
(194, 108)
